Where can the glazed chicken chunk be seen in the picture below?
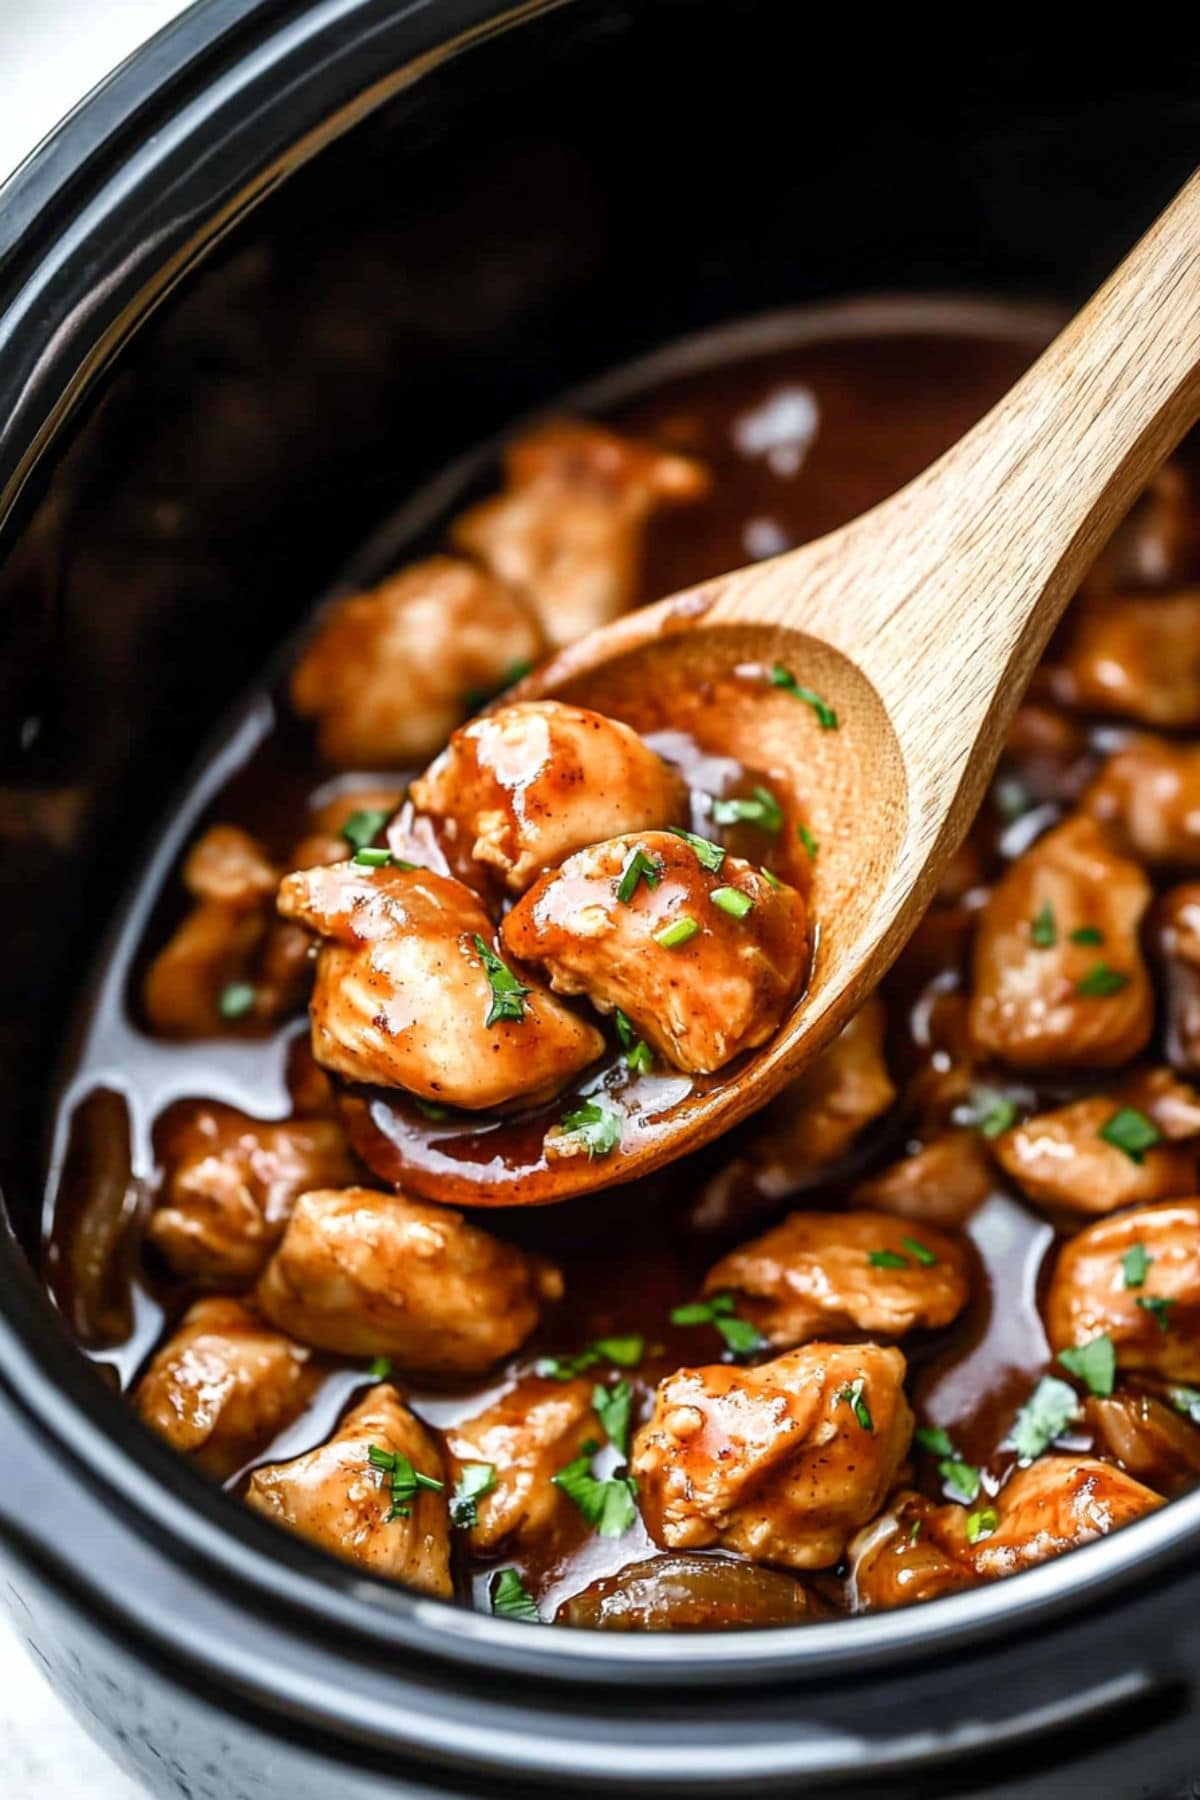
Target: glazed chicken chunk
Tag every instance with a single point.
(1058, 975)
(410, 992)
(1054, 1505)
(941, 1183)
(523, 787)
(232, 882)
(356, 1495)
(782, 1462)
(703, 963)
(823, 1272)
(223, 1385)
(1148, 794)
(369, 1274)
(525, 1437)
(1135, 656)
(229, 1183)
(390, 673)
(567, 532)
(1177, 935)
(1139, 1143)
(1135, 1278)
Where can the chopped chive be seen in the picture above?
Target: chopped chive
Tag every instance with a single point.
(401, 1479)
(731, 900)
(999, 1115)
(1101, 982)
(853, 1396)
(1087, 934)
(710, 856)
(771, 879)
(508, 994)
(809, 841)
(236, 1000)
(1131, 1131)
(626, 1352)
(783, 678)
(637, 867)
(364, 825)
(475, 1480)
(761, 809)
(374, 859)
(962, 1479)
(981, 1523)
(1158, 1306)
(934, 1439)
(887, 1259)
(640, 1058)
(1044, 930)
(922, 1252)
(1093, 1363)
(1135, 1266)
(679, 931)
(380, 1369)
(739, 1335)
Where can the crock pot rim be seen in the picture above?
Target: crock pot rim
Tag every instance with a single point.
(54, 1387)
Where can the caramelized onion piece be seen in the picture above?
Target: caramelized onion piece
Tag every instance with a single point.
(96, 1211)
(691, 1593)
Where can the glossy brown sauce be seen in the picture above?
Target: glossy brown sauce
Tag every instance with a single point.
(798, 440)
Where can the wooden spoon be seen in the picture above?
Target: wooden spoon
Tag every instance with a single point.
(920, 623)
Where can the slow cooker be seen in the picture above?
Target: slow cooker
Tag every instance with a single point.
(281, 266)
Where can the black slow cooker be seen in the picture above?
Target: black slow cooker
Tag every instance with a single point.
(285, 263)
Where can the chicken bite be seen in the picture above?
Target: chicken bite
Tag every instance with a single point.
(526, 1436)
(704, 963)
(1133, 656)
(1177, 935)
(369, 1274)
(568, 530)
(410, 993)
(1077, 1156)
(942, 1183)
(1135, 1278)
(223, 1385)
(388, 674)
(357, 1495)
(186, 992)
(782, 1462)
(229, 1183)
(823, 1272)
(1058, 977)
(521, 788)
(1148, 794)
(1054, 1505)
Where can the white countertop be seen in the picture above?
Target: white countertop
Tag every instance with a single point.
(44, 1754)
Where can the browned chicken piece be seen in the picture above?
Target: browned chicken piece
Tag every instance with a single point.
(223, 1385)
(232, 882)
(1063, 1157)
(568, 530)
(388, 674)
(783, 1462)
(229, 1183)
(692, 1593)
(369, 1274)
(1149, 1437)
(324, 841)
(1046, 753)
(1148, 794)
(942, 1183)
(1135, 1277)
(1134, 657)
(346, 1500)
(410, 992)
(523, 787)
(1177, 934)
(1054, 1505)
(898, 1560)
(824, 1272)
(1040, 996)
(527, 1435)
(700, 982)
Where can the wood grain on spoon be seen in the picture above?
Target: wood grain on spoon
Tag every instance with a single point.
(920, 623)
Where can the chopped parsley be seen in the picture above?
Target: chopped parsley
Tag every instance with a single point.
(1087, 934)
(402, 1481)
(1052, 1406)
(638, 1054)
(853, 1395)
(923, 1254)
(364, 825)
(1093, 1363)
(476, 1480)
(783, 678)
(981, 1523)
(934, 1439)
(809, 841)
(1135, 1266)
(637, 867)
(887, 1259)
(511, 1599)
(1158, 1306)
(998, 1114)
(613, 1406)
(680, 931)
(597, 1124)
(710, 856)
(606, 1503)
(236, 1000)
(379, 859)
(761, 808)
(380, 1369)
(1099, 983)
(1131, 1131)
(1044, 930)
(626, 1352)
(739, 1335)
(962, 1479)
(771, 879)
(732, 901)
(1187, 1401)
(508, 994)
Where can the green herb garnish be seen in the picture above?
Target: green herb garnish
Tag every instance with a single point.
(999, 1115)
(732, 901)
(1187, 1401)
(429, 1109)
(637, 867)
(402, 1481)
(761, 809)
(710, 856)
(364, 825)
(1158, 1306)
(783, 678)
(922, 1252)
(511, 1599)
(1099, 983)
(680, 931)
(613, 1406)
(853, 1396)
(1093, 1363)
(1052, 1406)
(597, 1124)
(809, 841)
(508, 994)
(638, 1055)
(887, 1259)
(380, 1369)
(377, 859)
(476, 1480)
(739, 1335)
(962, 1479)
(1087, 934)
(236, 1000)
(1131, 1131)
(934, 1439)
(1044, 930)
(1135, 1266)
(606, 1503)
(981, 1523)
(626, 1352)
